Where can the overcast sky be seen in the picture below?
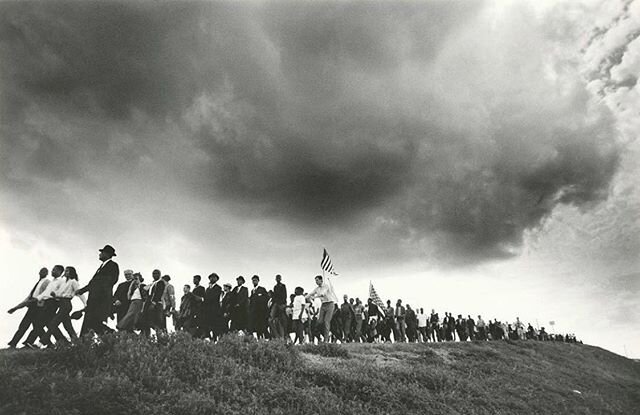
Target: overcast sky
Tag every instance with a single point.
(476, 157)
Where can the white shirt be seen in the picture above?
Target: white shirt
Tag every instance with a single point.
(422, 320)
(41, 286)
(136, 294)
(298, 303)
(324, 292)
(68, 290)
(54, 286)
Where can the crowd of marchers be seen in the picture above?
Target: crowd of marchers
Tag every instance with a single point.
(212, 310)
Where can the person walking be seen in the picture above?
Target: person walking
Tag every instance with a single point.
(212, 310)
(258, 309)
(168, 301)
(239, 306)
(120, 296)
(278, 316)
(100, 289)
(31, 303)
(400, 322)
(64, 295)
(48, 309)
(324, 292)
(136, 295)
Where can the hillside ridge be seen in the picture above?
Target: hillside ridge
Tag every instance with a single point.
(130, 375)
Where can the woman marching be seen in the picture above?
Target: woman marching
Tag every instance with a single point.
(64, 296)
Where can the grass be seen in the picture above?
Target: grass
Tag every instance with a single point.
(127, 374)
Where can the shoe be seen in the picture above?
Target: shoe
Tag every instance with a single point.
(12, 346)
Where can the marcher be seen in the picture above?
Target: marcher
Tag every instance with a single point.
(100, 288)
(325, 293)
(48, 309)
(153, 313)
(136, 296)
(64, 294)
(258, 310)
(120, 296)
(31, 303)
(278, 315)
(299, 315)
(168, 301)
(213, 318)
(239, 306)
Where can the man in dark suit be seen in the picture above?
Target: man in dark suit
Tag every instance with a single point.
(153, 313)
(100, 290)
(225, 306)
(258, 309)
(198, 310)
(212, 310)
(121, 296)
(239, 305)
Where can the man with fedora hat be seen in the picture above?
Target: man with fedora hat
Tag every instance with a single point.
(100, 290)
(239, 306)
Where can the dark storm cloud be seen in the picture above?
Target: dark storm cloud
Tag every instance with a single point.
(332, 113)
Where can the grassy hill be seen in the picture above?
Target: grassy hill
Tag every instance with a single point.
(177, 375)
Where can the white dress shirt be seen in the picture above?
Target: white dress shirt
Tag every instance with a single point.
(324, 292)
(68, 290)
(53, 287)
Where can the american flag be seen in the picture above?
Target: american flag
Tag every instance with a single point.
(375, 297)
(326, 264)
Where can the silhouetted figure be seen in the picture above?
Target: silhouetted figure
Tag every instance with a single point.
(198, 294)
(32, 309)
(136, 295)
(348, 317)
(278, 314)
(226, 298)
(153, 311)
(64, 294)
(100, 290)
(258, 310)
(239, 306)
(214, 321)
(411, 321)
(120, 296)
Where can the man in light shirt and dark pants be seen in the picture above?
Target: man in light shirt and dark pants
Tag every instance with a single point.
(32, 308)
(48, 309)
(325, 293)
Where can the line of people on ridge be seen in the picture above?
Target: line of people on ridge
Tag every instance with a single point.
(214, 310)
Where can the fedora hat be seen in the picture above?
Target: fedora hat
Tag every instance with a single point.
(109, 250)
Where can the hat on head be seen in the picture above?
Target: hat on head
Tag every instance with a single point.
(240, 278)
(128, 271)
(226, 284)
(166, 278)
(109, 250)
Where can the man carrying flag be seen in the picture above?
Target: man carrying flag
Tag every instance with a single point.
(324, 291)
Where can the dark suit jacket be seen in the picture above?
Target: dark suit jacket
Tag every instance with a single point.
(280, 294)
(258, 309)
(100, 291)
(240, 298)
(157, 291)
(122, 294)
(225, 303)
